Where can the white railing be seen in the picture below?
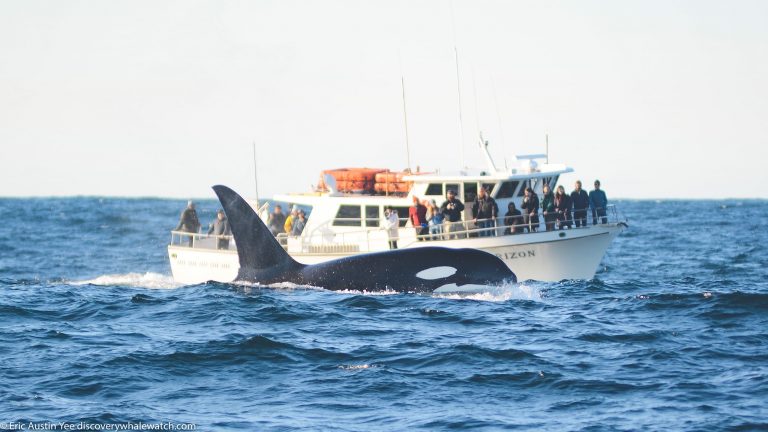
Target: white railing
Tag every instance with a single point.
(326, 241)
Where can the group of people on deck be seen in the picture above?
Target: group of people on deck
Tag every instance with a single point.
(559, 209)
(293, 224)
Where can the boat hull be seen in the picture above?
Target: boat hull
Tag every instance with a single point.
(543, 256)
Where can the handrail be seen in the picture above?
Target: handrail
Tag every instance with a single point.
(366, 239)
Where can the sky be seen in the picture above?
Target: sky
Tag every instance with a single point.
(657, 99)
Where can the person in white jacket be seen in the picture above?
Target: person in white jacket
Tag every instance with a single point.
(392, 224)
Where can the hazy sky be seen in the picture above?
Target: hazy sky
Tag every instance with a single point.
(160, 98)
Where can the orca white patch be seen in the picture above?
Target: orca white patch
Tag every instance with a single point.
(436, 272)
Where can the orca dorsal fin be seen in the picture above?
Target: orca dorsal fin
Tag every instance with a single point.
(257, 248)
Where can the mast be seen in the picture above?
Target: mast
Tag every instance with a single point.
(458, 90)
(405, 121)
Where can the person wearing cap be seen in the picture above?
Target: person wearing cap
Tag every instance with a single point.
(189, 222)
(289, 221)
(220, 228)
(598, 202)
(452, 209)
(580, 201)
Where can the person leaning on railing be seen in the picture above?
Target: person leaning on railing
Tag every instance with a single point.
(580, 201)
(188, 222)
(452, 209)
(563, 208)
(531, 207)
(220, 228)
(513, 220)
(548, 208)
(484, 211)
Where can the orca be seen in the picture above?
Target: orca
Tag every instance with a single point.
(421, 269)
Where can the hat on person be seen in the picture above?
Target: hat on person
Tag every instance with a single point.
(451, 191)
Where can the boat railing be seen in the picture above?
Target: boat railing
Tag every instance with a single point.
(325, 241)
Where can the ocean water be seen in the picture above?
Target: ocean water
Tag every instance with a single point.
(670, 335)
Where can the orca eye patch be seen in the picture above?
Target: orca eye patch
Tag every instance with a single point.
(433, 273)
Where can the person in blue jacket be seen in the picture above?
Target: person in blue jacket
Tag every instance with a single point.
(598, 202)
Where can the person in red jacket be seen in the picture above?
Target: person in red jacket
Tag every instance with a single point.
(417, 214)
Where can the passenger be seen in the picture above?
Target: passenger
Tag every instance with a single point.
(276, 221)
(484, 211)
(189, 222)
(531, 206)
(417, 214)
(548, 207)
(299, 223)
(598, 202)
(451, 210)
(563, 208)
(513, 220)
(435, 221)
(391, 224)
(580, 201)
(220, 227)
(292, 217)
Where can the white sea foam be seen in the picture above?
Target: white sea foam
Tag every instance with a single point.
(133, 280)
(501, 293)
(357, 367)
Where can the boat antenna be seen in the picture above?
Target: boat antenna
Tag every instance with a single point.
(546, 140)
(255, 175)
(405, 121)
(458, 89)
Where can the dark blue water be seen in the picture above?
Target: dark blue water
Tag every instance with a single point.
(671, 335)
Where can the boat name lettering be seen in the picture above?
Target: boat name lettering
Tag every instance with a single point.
(516, 255)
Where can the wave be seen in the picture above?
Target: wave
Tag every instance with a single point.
(501, 293)
(133, 280)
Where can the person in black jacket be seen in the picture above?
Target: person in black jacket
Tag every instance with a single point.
(484, 211)
(580, 201)
(220, 227)
(513, 220)
(452, 209)
(188, 222)
(531, 206)
(563, 208)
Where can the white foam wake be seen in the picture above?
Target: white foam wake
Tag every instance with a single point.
(133, 280)
(501, 293)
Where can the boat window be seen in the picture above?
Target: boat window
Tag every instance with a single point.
(434, 189)
(470, 192)
(402, 215)
(372, 216)
(489, 187)
(348, 215)
(507, 189)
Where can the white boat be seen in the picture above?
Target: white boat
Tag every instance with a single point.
(342, 224)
